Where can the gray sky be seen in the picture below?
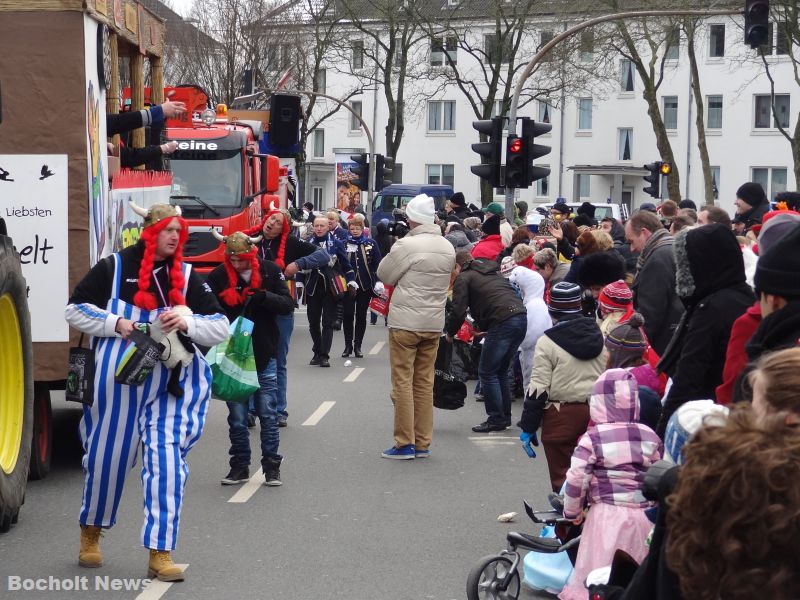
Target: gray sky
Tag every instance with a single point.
(182, 7)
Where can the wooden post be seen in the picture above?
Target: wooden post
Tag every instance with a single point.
(137, 94)
(157, 80)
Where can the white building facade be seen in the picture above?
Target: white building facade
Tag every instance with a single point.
(599, 141)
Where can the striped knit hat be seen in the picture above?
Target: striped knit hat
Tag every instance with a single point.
(615, 297)
(565, 299)
(626, 343)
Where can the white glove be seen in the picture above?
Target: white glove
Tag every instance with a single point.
(169, 147)
(352, 284)
(379, 288)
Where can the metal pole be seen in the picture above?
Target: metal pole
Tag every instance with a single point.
(512, 112)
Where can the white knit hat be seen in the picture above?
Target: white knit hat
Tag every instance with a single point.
(421, 209)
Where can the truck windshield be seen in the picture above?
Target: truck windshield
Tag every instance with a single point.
(388, 203)
(216, 181)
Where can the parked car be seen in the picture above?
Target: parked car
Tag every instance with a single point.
(620, 213)
(397, 195)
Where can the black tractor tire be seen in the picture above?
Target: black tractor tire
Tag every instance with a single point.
(42, 441)
(14, 315)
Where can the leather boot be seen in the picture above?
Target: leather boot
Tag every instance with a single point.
(357, 351)
(348, 349)
(89, 555)
(162, 567)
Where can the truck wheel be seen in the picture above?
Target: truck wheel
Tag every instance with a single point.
(42, 441)
(16, 385)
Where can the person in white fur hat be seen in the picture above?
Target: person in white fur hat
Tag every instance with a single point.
(419, 267)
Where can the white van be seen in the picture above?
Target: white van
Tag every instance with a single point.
(601, 211)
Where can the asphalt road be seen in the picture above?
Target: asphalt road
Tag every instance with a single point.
(345, 524)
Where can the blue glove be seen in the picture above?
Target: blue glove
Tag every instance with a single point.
(527, 439)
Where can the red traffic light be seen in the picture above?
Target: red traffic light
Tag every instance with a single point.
(515, 146)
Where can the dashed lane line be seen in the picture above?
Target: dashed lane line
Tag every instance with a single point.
(353, 375)
(317, 415)
(157, 588)
(248, 489)
(377, 347)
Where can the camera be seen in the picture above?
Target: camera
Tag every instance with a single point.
(399, 227)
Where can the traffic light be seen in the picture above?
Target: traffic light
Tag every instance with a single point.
(657, 169)
(531, 129)
(489, 169)
(384, 171)
(361, 171)
(756, 22)
(521, 151)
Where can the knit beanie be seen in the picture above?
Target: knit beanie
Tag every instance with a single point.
(491, 226)
(458, 199)
(686, 203)
(751, 193)
(648, 206)
(601, 268)
(685, 421)
(587, 208)
(776, 224)
(240, 245)
(626, 343)
(421, 210)
(561, 207)
(615, 297)
(777, 269)
(156, 219)
(565, 299)
(506, 266)
(495, 208)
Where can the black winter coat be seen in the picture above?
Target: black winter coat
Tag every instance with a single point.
(489, 296)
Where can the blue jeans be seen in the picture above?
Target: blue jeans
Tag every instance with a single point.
(265, 401)
(285, 326)
(499, 348)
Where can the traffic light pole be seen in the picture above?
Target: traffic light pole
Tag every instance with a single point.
(512, 112)
(367, 131)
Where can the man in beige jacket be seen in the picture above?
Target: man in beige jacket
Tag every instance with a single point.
(419, 267)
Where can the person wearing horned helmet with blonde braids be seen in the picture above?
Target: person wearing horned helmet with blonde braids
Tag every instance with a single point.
(256, 289)
(144, 285)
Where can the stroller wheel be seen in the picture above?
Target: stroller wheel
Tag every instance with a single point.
(485, 579)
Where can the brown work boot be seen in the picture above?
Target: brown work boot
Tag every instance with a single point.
(89, 555)
(162, 567)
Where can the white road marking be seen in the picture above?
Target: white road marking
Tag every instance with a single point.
(317, 415)
(354, 375)
(490, 441)
(157, 588)
(248, 489)
(377, 347)
(483, 438)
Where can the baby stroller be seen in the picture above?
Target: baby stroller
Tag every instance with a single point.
(496, 577)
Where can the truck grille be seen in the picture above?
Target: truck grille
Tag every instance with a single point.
(200, 242)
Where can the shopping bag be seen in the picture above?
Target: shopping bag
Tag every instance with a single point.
(448, 392)
(80, 374)
(548, 572)
(139, 359)
(234, 377)
(380, 304)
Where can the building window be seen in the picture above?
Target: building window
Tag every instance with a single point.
(355, 124)
(319, 143)
(321, 81)
(772, 179)
(440, 175)
(583, 187)
(441, 115)
(716, 41)
(763, 110)
(357, 60)
(544, 111)
(714, 112)
(491, 47)
(498, 110)
(715, 172)
(542, 186)
(546, 37)
(626, 73)
(444, 51)
(586, 46)
(625, 143)
(670, 110)
(398, 54)
(673, 44)
(584, 114)
(316, 196)
(286, 56)
(779, 39)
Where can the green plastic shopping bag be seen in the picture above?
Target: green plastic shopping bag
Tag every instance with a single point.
(234, 377)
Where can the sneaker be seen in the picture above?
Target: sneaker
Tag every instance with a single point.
(236, 476)
(402, 453)
(422, 453)
(487, 427)
(282, 421)
(314, 361)
(324, 362)
(556, 501)
(272, 471)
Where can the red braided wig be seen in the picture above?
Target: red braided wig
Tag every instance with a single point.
(144, 298)
(230, 296)
(280, 258)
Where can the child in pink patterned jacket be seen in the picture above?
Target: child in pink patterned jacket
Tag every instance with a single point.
(607, 470)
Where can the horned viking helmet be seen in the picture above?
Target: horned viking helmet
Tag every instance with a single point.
(237, 242)
(155, 213)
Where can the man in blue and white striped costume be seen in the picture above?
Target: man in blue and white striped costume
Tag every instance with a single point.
(143, 284)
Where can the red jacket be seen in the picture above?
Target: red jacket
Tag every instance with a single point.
(736, 358)
(489, 247)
